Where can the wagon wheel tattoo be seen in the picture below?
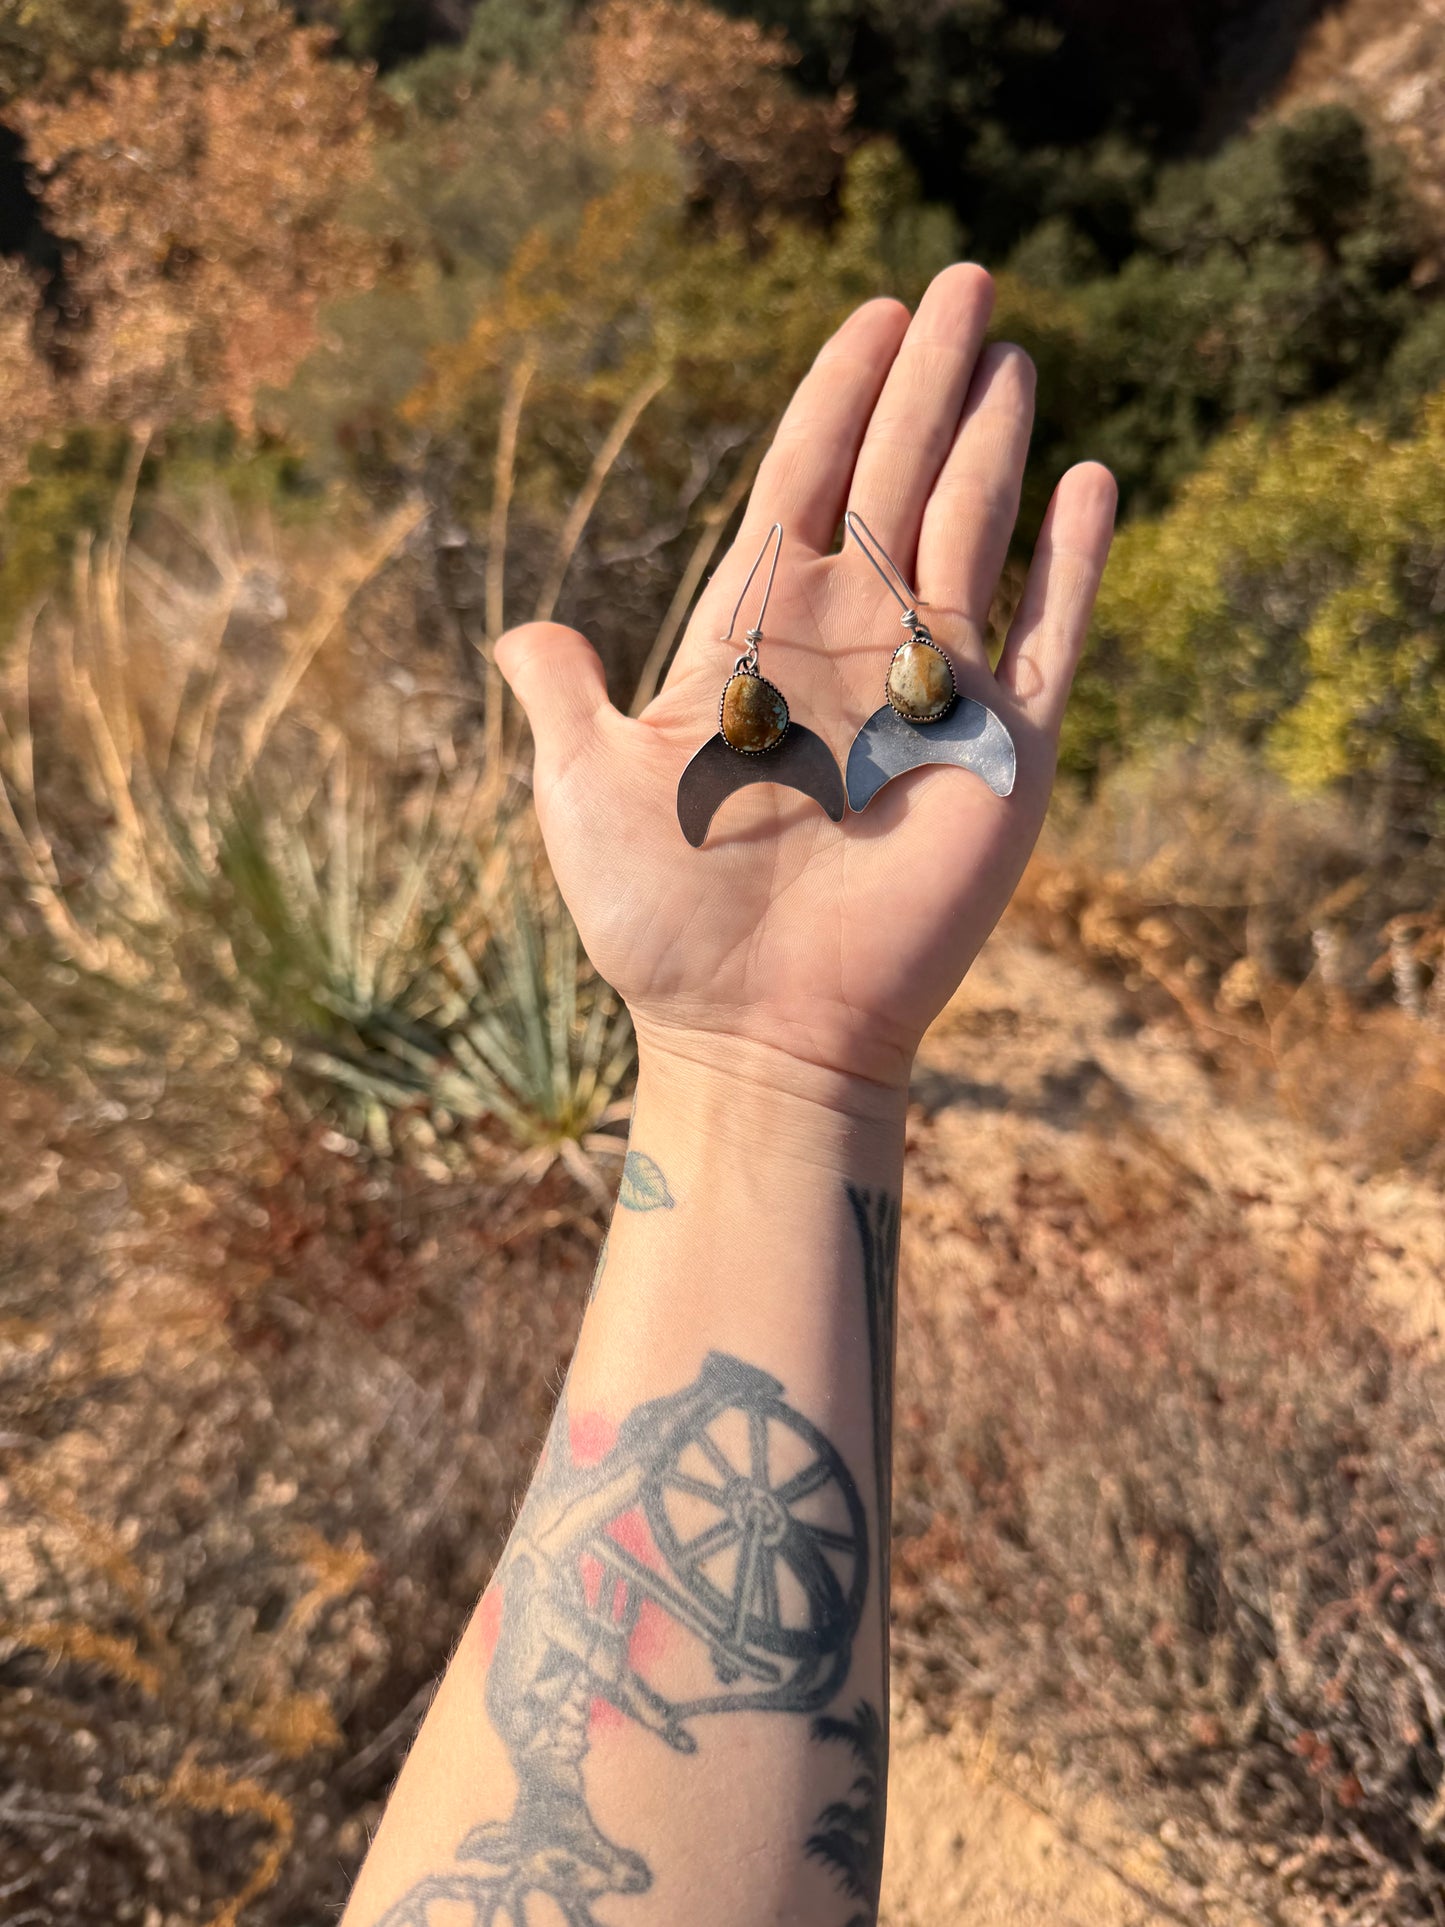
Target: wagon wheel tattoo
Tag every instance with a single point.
(762, 1557)
(774, 1548)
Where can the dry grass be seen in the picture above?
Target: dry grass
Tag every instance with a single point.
(1180, 1527)
(203, 840)
(268, 1409)
(264, 1429)
(300, 1135)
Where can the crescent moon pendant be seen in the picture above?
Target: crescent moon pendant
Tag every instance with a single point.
(802, 761)
(969, 736)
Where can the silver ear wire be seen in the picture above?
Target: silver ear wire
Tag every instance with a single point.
(888, 571)
(749, 659)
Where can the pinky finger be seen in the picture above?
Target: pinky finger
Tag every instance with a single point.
(1048, 633)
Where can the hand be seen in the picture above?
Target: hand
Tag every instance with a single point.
(795, 943)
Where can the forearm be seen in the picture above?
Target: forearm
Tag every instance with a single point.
(699, 1572)
(670, 1705)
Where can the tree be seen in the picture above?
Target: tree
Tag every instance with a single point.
(27, 383)
(588, 283)
(1387, 63)
(511, 136)
(1013, 114)
(718, 91)
(1274, 274)
(624, 346)
(47, 46)
(198, 204)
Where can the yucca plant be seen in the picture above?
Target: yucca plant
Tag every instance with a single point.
(334, 889)
(417, 953)
(398, 935)
(515, 1027)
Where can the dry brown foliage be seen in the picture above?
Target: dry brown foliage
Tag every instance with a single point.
(1182, 1529)
(266, 1408)
(717, 89)
(198, 203)
(1273, 924)
(27, 380)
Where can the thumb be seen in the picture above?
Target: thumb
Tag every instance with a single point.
(556, 676)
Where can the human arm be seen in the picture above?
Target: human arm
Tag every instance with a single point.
(672, 1702)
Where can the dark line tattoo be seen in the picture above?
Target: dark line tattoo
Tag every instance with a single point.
(849, 1834)
(690, 1518)
(848, 1839)
(644, 1188)
(877, 1215)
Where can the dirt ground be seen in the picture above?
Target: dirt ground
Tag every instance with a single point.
(1039, 1073)
(976, 1843)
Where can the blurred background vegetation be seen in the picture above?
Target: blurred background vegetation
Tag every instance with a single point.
(334, 337)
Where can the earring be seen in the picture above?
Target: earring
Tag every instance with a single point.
(757, 740)
(924, 720)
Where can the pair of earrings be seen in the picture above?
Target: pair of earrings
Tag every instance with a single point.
(923, 719)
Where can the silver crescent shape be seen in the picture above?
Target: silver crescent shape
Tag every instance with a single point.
(802, 761)
(969, 736)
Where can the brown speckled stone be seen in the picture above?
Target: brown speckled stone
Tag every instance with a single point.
(920, 682)
(754, 715)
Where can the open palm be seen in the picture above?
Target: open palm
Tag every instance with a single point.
(833, 945)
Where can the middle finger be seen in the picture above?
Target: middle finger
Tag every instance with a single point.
(915, 420)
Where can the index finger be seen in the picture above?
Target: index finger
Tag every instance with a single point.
(805, 476)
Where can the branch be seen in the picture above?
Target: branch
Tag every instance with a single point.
(504, 478)
(701, 471)
(504, 475)
(714, 523)
(580, 513)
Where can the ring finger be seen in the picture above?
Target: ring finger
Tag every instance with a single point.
(969, 521)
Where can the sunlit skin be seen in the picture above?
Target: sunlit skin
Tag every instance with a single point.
(830, 948)
(779, 978)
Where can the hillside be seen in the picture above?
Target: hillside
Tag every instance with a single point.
(1386, 60)
(1055, 1137)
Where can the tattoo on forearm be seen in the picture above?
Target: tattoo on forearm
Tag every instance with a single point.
(721, 1528)
(849, 1834)
(644, 1188)
(877, 1215)
(848, 1839)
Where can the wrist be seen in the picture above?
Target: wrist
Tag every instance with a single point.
(744, 1100)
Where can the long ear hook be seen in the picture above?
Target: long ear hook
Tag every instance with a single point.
(755, 634)
(893, 578)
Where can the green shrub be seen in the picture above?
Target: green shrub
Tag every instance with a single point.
(77, 477)
(70, 495)
(1289, 599)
